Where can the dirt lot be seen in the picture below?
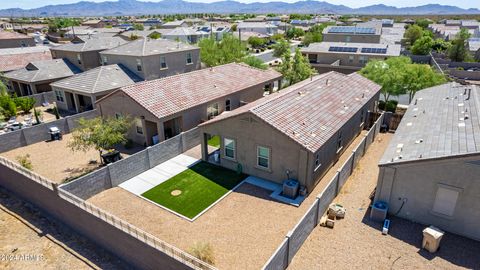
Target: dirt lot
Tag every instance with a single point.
(357, 243)
(30, 240)
(55, 160)
(244, 229)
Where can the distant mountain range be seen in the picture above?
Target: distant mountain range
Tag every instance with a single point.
(133, 7)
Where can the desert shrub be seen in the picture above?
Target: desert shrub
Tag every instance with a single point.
(203, 251)
(24, 161)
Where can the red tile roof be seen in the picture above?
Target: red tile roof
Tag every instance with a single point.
(16, 61)
(170, 95)
(312, 111)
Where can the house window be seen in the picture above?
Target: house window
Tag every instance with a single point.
(227, 105)
(189, 58)
(351, 58)
(317, 162)
(118, 115)
(163, 62)
(339, 142)
(229, 146)
(59, 96)
(263, 157)
(139, 65)
(212, 111)
(23, 44)
(104, 60)
(446, 200)
(362, 116)
(363, 60)
(79, 59)
(139, 128)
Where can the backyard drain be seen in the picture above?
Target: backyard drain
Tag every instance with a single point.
(176, 192)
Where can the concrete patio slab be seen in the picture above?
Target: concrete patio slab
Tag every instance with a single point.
(158, 174)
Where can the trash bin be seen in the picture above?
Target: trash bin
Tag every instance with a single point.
(55, 133)
(379, 211)
(431, 238)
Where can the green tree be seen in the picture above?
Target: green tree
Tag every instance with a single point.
(281, 47)
(25, 104)
(138, 27)
(423, 23)
(9, 108)
(458, 51)
(422, 46)
(99, 134)
(294, 33)
(312, 37)
(254, 62)
(440, 45)
(229, 49)
(413, 33)
(256, 42)
(233, 28)
(398, 76)
(155, 35)
(295, 69)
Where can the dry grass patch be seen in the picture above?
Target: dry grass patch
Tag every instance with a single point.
(203, 251)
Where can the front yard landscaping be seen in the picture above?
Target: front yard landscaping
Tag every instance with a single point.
(191, 191)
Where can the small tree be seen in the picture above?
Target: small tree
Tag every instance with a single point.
(281, 47)
(458, 51)
(25, 104)
(155, 35)
(138, 27)
(256, 42)
(422, 46)
(37, 115)
(295, 69)
(24, 161)
(99, 134)
(7, 103)
(312, 37)
(413, 33)
(254, 62)
(55, 111)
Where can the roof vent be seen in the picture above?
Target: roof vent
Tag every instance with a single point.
(363, 95)
(469, 92)
(327, 82)
(419, 141)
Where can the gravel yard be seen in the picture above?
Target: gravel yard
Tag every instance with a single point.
(244, 228)
(357, 243)
(31, 240)
(55, 161)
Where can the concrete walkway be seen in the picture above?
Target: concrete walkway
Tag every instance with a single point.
(159, 174)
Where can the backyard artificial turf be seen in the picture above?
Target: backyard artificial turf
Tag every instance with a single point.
(201, 185)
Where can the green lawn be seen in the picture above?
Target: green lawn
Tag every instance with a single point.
(214, 141)
(201, 185)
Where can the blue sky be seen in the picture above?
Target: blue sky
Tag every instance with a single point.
(351, 3)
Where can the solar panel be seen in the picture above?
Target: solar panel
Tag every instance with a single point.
(342, 49)
(352, 30)
(374, 50)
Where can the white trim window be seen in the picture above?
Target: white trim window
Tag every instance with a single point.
(59, 96)
(189, 58)
(228, 105)
(317, 162)
(104, 60)
(263, 157)
(138, 126)
(163, 62)
(229, 148)
(446, 200)
(79, 58)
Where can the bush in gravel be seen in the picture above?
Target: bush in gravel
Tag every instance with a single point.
(25, 162)
(203, 251)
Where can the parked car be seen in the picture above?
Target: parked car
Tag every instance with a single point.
(14, 126)
(46, 41)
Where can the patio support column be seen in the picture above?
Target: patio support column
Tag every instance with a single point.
(77, 102)
(33, 88)
(204, 147)
(279, 84)
(161, 131)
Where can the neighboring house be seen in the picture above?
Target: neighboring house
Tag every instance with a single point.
(149, 22)
(298, 132)
(165, 107)
(16, 58)
(258, 27)
(429, 172)
(174, 24)
(94, 23)
(354, 34)
(85, 55)
(393, 35)
(474, 47)
(346, 57)
(219, 30)
(136, 34)
(186, 34)
(244, 36)
(154, 58)
(36, 76)
(6, 25)
(15, 40)
(79, 92)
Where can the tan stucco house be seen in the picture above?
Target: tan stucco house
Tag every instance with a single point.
(356, 34)
(429, 172)
(165, 107)
(298, 132)
(10, 39)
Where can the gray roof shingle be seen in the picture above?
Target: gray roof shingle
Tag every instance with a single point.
(440, 122)
(98, 80)
(312, 111)
(145, 47)
(43, 71)
(92, 44)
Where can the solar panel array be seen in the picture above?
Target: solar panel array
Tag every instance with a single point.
(343, 49)
(374, 50)
(352, 30)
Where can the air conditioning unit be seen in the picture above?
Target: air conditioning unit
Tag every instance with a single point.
(290, 188)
